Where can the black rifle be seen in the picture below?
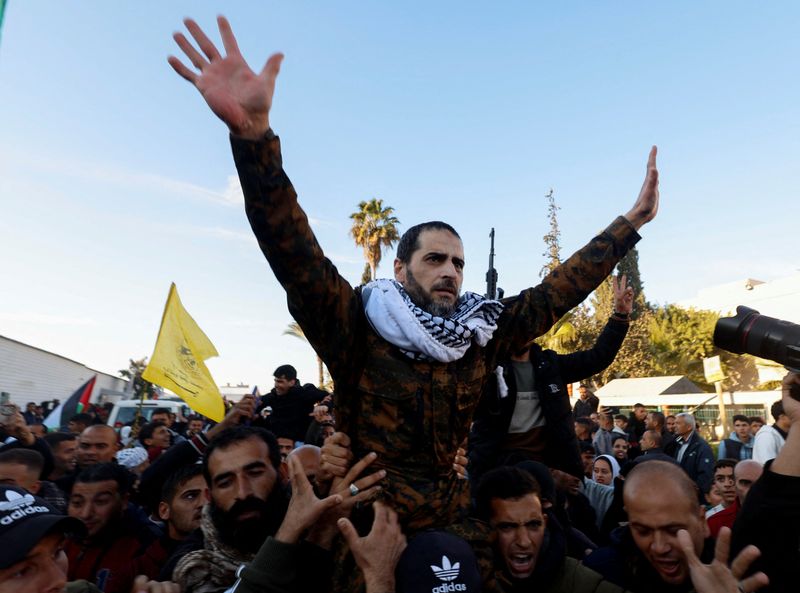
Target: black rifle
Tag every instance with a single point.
(492, 292)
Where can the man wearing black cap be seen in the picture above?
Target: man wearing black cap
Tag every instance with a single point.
(32, 557)
(287, 409)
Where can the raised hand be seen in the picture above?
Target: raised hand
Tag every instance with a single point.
(237, 95)
(241, 411)
(304, 506)
(378, 552)
(646, 206)
(717, 577)
(623, 295)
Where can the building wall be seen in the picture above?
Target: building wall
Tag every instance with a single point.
(31, 374)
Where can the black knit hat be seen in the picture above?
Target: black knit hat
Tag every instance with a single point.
(24, 520)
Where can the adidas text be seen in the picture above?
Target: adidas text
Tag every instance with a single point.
(447, 587)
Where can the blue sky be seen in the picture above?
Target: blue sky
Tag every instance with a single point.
(116, 180)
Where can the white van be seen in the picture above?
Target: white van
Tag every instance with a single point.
(125, 410)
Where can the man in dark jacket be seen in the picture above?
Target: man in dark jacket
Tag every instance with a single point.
(525, 413)
(587, 403)
(692, 453)
(287, 409)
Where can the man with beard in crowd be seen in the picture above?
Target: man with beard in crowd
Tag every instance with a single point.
(410, 355)
(245, 505)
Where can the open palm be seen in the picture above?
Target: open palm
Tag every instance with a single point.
(237, 95)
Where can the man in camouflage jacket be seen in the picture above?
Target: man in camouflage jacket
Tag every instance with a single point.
(412, 413)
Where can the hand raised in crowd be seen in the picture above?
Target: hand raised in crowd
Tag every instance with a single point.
(143, 584)
(304, 506)
(717, 577)
(623, 295)
(379, 551)
(244, 409)
(18, 428)
(353, 491)
(646, 206)
(237, 95)
(336, 455)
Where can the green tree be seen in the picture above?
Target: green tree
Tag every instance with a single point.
(374, 228)
(562, 336)
(141, 389)
(294, 329)
(552, 240)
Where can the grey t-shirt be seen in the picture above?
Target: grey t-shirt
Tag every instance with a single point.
(528, 409)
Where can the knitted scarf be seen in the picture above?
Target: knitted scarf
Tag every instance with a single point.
(422, 336)
(212, 569)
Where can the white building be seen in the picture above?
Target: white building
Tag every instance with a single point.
(30, 374)
(777, 298)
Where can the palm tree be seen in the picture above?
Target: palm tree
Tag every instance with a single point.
(374, 228)
(294, 329)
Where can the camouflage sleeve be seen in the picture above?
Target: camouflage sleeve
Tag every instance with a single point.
(534, 311)
(319, 299)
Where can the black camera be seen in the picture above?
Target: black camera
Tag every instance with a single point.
(766, 337)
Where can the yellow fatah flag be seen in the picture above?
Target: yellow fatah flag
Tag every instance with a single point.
(177, 361)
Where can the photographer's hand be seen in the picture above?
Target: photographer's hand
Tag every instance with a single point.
(787, 462)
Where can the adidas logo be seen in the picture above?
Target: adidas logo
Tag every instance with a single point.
(447, 572)
(15, 500)
(16, 506)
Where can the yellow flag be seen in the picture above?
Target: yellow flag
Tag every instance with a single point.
(177, 361)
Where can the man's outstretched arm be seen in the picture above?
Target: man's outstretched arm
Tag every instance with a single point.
(535, 310)
(320, 300)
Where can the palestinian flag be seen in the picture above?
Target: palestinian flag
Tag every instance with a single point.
(77, 403)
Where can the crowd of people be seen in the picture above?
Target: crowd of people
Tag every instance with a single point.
(448, 459)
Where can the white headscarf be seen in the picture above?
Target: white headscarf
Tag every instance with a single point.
(612, 462)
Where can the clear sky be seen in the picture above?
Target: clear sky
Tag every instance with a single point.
(116, 180)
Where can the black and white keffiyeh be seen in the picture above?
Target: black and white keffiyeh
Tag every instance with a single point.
(423, 336)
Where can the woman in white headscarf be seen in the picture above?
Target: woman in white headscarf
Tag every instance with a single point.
(600, 491)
